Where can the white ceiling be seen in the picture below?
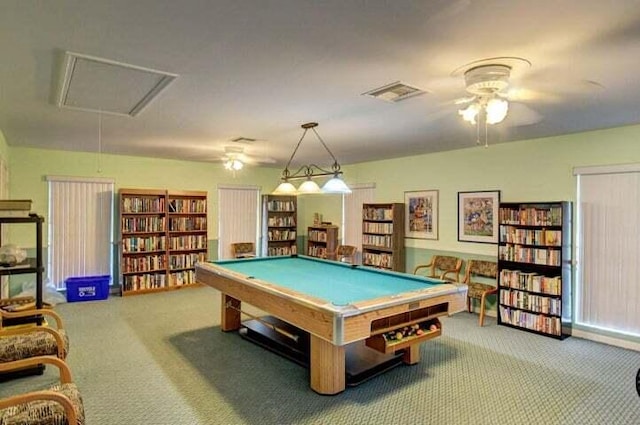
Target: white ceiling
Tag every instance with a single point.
(261, 68)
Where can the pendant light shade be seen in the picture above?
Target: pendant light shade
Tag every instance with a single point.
(335, 185)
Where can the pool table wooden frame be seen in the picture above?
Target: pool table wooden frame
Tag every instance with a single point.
(330, 327)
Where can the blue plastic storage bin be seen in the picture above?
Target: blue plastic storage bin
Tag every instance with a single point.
(89, 288)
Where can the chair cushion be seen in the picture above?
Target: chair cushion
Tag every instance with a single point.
(44, 412)
(16, 347)
(476, 289)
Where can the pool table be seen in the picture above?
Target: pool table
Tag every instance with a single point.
(337, 304)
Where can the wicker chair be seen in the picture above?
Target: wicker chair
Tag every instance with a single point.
(481, 289)
(442, 267)
(243, 250)
(60, 404)
(20, 342)
(344, 254)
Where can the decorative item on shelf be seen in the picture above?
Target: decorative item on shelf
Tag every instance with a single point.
(311, 171)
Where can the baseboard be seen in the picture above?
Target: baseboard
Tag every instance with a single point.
(622, 343)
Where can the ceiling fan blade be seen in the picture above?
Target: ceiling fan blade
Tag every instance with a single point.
(520, 114)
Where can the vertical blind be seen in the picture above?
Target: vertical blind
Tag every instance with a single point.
(80, 228)
(237, 217)
(352, 215)
(608, 248)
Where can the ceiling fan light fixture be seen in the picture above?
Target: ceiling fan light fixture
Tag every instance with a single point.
(233, 164)
(470, 113)
(496, 110)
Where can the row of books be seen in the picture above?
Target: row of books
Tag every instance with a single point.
(188, 206)
(281, 206)
(520, 254)
(144, 243)
(148, 263)
(143, 224)
(186, 277)
(317, 251)
(385, 241)
(377, 213)
(281, 235)
(511, 234)
(282, 250)
(551, 216)
(188, 242)
(531, 302)
(377, 227)
(187, 224)
(144, 281)
(186, 261)
(531, 282)
(317, 235)
(536, 322)
(377, 260)
(143, 205)
(286, 221)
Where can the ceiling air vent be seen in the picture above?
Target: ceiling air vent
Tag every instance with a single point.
(243, 140)
(102, 85)
(395, 92)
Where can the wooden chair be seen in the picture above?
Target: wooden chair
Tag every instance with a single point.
(344, 254)
(60, 404)
(481, 289)
(20, 342)
(442, 267)
(243, 250)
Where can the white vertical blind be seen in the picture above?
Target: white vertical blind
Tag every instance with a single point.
(4, 194)
(80, 228)
(352, 215)
(237, 217)
(608, 243)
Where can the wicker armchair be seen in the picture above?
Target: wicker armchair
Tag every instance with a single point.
(442, 267)
(344, 254)
(480, 290)
(60, 404)
(243, 250)
(22, 342)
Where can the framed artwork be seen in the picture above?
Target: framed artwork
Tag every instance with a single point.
(478, 216)
(421, 211)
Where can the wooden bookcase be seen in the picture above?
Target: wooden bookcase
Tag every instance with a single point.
(163, 235)
(279, 225)
(383, 236)
(322, 241)
(534, 267)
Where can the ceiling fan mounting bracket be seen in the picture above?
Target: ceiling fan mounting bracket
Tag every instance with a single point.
(487, 80)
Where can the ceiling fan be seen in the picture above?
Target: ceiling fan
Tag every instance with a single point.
(235, 158)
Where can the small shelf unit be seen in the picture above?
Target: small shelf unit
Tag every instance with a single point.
(322, 241)
(534, 267)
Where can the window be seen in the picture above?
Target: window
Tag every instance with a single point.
(608, 248)
(352, 215)
(237, 217)
(80, 228)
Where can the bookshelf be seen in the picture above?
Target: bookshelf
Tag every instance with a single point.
(163, 234)
(322, 241)
(383, 236)
(279, 225)
(534, 267)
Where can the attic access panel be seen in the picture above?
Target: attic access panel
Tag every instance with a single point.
(101, 85)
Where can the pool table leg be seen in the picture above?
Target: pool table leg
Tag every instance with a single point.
(327, 364)
(411, 354)
(230, 309)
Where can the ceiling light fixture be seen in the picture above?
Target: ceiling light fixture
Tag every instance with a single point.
(233, 164)
(485, 82)
(311, 171)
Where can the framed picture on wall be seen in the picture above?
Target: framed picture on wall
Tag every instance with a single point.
(478, 216)
(421, 211)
